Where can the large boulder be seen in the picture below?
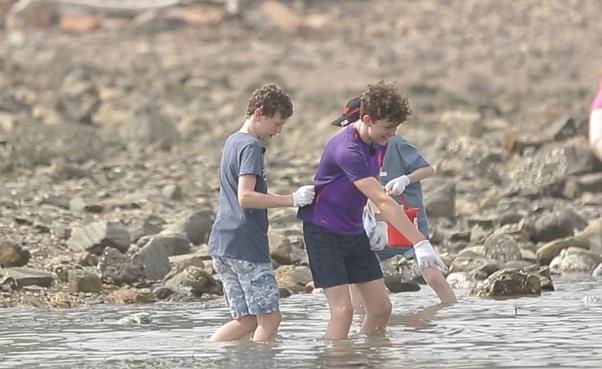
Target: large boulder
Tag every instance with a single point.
(558, 224)
(84, 281)
(97, 236)
(196, 281)
(441, 200)
(400, 274)
(501, 248)
(287, 250)
(546, 172)
(577, 260)
(507, 283)
(118, 268)
(293, 277)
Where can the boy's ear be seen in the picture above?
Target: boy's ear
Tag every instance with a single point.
(257, 113)
(366, 119)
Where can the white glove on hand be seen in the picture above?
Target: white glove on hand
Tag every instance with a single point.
(303, 196)
(426, 256)
(396, 186)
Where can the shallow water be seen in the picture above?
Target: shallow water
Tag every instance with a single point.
(559, 329)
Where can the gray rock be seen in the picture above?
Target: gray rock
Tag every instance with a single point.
(399, 274)
(117, 268)
(547, 252)
(181, 262)
(286, 250)
(84, 281)
(149, 226)
(172, 192)
(154, 258)
(174, 243)
(136, 319)
(558, 224)
(561, 129)
(28, 277)
(461, 280)
(545, 172)
(37, 144)
(284, 292)
(13, 255)
(148, 126)
(591, 182)
(577, 260)
(197, 226)
(470, 263)
(96, 237)
(154, 21)
(508, 283)
(293, 277)
(195, 279)
(440, 201)
(163, 292)
(501, 248)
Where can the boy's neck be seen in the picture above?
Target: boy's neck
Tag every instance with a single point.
(248, 127)
(362, 130)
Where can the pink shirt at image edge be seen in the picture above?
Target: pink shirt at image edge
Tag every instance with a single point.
(597, 104)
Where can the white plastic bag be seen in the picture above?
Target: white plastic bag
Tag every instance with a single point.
(376, 230)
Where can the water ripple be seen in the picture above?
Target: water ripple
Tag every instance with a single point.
(555, 330)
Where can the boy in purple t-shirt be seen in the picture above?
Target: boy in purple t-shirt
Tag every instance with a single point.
(337, 246)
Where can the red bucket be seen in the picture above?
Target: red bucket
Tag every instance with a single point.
(394, 237)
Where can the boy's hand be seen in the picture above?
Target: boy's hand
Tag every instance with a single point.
(303, 196)
(426, 256)
(396, 186)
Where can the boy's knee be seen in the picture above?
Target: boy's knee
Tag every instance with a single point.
(384, 309)
(249, 321)
(381, 310)
(273, 318)
(343, 311)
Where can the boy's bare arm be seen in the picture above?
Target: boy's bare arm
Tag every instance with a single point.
(421, 173)
(250, 199)
(389, 209)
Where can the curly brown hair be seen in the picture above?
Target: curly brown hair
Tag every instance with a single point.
(271, 99)
(382, 100)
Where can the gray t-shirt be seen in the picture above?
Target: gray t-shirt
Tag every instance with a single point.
(401, 158)
(240, 233)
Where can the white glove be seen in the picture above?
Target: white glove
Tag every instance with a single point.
(426, 256)
(396, 186)
(303, 196)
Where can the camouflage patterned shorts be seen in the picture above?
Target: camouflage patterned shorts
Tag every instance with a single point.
(250, 288)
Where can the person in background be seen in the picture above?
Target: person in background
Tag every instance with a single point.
(335, 240)
(238, 243)
(595, 122)
(402, 170)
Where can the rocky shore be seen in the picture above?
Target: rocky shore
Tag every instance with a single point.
(112, 123)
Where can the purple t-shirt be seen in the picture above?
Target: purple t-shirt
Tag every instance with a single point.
(597, 104)
(338, 204)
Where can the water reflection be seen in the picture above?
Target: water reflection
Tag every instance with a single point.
(421, 319)
(554, 330)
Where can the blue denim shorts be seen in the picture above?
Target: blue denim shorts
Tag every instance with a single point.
(389, 252)
(336, 259)
(250, 288)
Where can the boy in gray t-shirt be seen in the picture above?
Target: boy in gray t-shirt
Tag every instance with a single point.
(238, 243)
